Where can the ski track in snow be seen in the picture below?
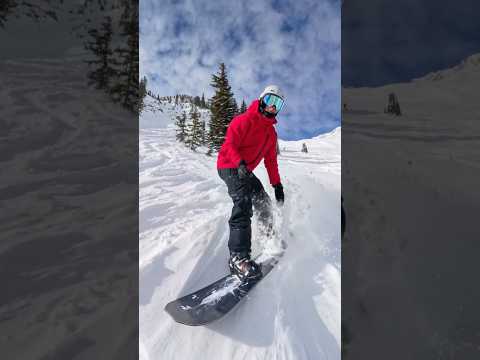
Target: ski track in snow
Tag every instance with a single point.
(294, 313)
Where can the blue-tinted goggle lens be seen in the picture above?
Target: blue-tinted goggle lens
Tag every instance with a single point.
(271, 99)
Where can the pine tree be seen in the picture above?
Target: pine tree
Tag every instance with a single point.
(142, 94)
(393, 106)
(99, 44)
(222, 108)
(126, 90)
(204, 104)
(194, 133)
(204, 132)
(29, 8)
(6, 9)
(234, 110)
(243, 107)
(197, 101)
(181, 127)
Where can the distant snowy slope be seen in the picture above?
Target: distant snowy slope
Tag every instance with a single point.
(184, 208)
(161, 113)
(324, 149)
(154, 115)
(411, 200)
(469, 66)
(445, 97)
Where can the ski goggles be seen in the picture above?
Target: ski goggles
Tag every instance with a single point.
(271, 99)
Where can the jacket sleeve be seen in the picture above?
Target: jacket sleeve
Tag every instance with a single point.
(271, 163)
(233, 139)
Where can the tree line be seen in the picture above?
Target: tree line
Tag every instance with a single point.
(192, 134)
(183, 98)
(112, 44)
(114, 69)
(223, 108)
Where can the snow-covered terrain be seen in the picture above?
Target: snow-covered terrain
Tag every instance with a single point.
(292, 314)
(410, 185)
(161, 113)
(68, 157)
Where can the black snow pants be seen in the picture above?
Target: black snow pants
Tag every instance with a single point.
(245, 193)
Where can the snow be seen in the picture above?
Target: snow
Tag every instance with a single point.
(62, 181)
(294, 313)
(161, 114)
(410, 191)
(230, 286)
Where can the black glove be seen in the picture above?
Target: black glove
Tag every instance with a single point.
(242, 170)
(279, 193)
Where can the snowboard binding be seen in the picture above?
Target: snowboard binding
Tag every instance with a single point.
(243, 267)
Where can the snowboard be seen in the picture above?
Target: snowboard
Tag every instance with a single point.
(215, 300)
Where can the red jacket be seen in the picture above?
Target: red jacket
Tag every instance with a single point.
(251, 137)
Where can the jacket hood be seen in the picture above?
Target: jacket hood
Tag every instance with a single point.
(253, 109)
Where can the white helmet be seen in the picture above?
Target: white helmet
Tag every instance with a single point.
(272, 89)
(271, 96)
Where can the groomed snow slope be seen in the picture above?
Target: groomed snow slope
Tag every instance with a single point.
(184, 207)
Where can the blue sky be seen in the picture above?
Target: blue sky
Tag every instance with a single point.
(386, 41)
(294, 44)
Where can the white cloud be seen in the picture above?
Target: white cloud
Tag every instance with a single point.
(182, 42)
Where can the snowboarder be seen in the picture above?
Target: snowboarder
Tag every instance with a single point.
(250, 138)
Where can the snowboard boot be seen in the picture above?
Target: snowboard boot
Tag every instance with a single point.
(241, 265)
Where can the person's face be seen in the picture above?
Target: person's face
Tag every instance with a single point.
(271, 109)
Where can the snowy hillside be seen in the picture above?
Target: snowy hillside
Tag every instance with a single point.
(161, 113)
(420, 212)
(68, 158)
(294, 313)
(446, 96)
